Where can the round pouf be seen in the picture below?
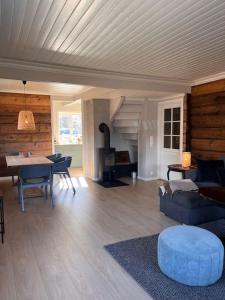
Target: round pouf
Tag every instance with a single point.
(190, 255)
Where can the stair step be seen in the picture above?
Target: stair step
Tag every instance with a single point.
(133, 101)
(135, 147)
(126, 129)
(125, 123)
(131, 108)
(130, 136)
(133, 142)
(127, 116)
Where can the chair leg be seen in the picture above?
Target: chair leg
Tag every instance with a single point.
(68, 174)
(22, 200)
(64, 175)
(13, 180)
(51, 195)
(46, 192)
(19, 200)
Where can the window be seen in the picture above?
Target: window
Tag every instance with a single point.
(172, 128)
(70, 128)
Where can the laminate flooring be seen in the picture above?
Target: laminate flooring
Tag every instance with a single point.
(58, 254)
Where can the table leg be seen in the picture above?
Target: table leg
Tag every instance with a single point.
(168, 174)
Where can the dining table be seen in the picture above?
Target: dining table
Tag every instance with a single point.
(18, 161)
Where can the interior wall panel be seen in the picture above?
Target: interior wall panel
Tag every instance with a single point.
(207, 121)
(12, 140)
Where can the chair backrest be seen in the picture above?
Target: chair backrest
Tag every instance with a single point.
(62, 164)
(68, 160)
(35, 171)
(54, 157)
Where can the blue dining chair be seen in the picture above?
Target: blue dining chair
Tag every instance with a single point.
(35, 176)
(60, 167)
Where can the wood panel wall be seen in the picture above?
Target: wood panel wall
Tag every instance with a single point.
(12, 139)
(207, 120)
(186, 123)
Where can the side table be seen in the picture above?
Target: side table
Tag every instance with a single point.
(178, 168)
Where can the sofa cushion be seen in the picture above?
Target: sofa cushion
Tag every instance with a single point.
(207, 184)
(221, 176)
(207, 170)
(190, 199)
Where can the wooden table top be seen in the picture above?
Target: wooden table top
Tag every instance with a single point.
(178, 167)
(17, 161)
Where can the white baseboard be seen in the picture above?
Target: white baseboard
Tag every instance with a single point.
(92, 178)
(148, 179)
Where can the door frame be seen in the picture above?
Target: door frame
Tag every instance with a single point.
(179, 101)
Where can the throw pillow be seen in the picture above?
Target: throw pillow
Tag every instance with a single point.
(183, 185)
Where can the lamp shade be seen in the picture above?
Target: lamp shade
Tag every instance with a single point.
(186, 159)
(26, 120)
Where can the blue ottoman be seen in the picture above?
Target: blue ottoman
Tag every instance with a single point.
(190, 255)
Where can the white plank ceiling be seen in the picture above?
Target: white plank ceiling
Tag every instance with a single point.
(169, 38)
(66, 91)
(43, 88)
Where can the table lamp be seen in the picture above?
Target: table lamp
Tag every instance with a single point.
(186, 159)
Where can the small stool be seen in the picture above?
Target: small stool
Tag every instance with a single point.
(2, 222)
(190, 255)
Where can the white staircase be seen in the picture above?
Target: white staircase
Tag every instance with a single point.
(126, 120)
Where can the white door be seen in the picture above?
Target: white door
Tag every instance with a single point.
(170, 136)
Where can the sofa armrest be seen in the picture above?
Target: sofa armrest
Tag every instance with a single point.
(191, 174)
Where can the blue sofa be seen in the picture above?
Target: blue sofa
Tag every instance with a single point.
(192, 208)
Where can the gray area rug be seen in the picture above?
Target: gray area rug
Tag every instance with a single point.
(139, 258)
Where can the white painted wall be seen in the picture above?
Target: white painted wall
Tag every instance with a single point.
(147, 141)
(88, 137)
(115, 104)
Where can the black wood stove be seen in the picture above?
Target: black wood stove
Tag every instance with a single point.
(106, 156)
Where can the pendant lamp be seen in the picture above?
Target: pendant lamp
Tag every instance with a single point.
(26, 117)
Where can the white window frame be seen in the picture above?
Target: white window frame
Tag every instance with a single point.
(70, 125)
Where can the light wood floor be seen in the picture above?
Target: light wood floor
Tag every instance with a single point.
(58, 253)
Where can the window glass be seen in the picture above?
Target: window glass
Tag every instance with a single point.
(176, 114)
(167, 141)
(167, 128)
(176, 128)
(176, 142)
(171, 137)
(167, 114)
(70, 128)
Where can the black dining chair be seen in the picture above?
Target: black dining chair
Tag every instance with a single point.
(61, 166)
(35, 176)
